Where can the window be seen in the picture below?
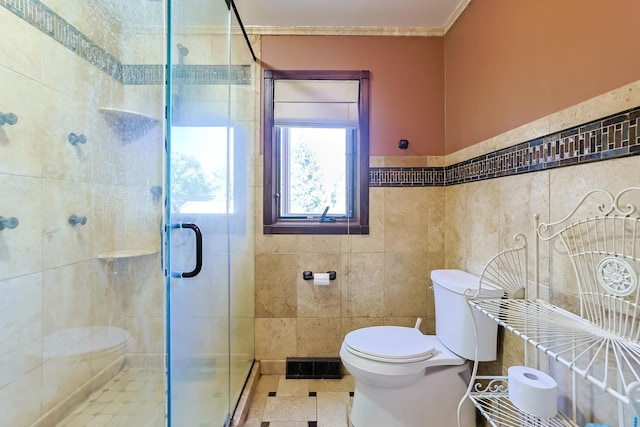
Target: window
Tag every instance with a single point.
(199, 170)
(316, 152)
(209, 176)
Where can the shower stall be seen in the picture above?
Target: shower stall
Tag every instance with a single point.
(127, 145)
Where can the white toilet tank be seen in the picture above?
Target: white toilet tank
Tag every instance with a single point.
(454, 327)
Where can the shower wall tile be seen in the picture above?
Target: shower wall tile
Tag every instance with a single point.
(64, 199)
(61, 159)
(144, 48)
(136, 280)
(147, 334)
(20, 144)
(66, 296)
(19, 48)
(93, 19)
(21, 247)
(15, 410)
(107, 207)
(20, 326)
(61, 376)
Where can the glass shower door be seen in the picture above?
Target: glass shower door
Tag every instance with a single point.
(200, 149)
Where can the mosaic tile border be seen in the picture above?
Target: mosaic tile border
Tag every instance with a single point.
(50, 23)
(406, 177)
(56, 27)
(608, 138)
(187, 74)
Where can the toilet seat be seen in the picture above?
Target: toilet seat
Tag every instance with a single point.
(398, 344)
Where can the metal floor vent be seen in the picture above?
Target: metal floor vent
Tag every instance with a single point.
(313, 368)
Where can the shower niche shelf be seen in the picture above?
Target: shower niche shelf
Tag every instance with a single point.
(128, 125)
(127, 254)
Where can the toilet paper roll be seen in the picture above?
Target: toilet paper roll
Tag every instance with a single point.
(532, 391)
(321, 279)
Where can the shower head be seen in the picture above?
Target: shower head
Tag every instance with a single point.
(183, 51)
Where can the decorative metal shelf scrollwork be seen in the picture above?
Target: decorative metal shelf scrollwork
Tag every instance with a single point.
(490, 396)
(600, 238)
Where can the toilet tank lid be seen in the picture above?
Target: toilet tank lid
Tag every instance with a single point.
(457, 281)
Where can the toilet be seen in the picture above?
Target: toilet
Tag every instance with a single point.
(406, 379)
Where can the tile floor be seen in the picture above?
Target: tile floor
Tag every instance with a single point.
(134, 397)
(279, 402)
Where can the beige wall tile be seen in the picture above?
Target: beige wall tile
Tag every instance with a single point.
(21, 247)
(374, 241)
(21, 143)
(348, 324)
(455, 223)
(406, 219)
(276, 284)
(436, 219)
(275, 338)
(66, 294)
(366, 285)
(482, 201)
(318, 337)
(318, 301)
(20, 326)
(405, 284)
(16, 410)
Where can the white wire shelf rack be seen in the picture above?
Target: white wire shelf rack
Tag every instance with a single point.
(490, 396)
(600, 357)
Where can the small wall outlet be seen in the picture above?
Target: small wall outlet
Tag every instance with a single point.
(403, 144)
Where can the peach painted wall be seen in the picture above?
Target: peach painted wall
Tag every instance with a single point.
(407, 83)
(510, 62)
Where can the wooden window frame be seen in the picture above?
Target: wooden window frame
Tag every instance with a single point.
(272, 224)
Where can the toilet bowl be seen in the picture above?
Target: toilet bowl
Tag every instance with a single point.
(406, 379)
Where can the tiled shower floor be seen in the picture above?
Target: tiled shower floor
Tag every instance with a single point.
(134, 397)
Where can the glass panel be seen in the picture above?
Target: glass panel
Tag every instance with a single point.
(242, 94)
(82, 307)
(209, 187)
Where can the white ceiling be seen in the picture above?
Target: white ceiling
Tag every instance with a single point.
(431, 17)
(369, 17)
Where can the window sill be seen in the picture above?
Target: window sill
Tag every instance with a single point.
(315, 227)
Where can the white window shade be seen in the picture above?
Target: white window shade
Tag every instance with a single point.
(316, 102)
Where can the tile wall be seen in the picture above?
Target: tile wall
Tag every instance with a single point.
(419, 223)
(50, 276)
(482, 218)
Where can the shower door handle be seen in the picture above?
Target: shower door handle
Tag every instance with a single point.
(198, 233)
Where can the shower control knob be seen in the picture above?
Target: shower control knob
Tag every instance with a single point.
(8, 119)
